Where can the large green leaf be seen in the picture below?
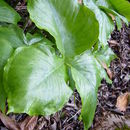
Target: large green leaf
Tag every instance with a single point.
(73, 26)
(11, 37)
(87, 72)
(5, 52)
(122, 7)
(8, 14)
(35, 82)
(105, 23)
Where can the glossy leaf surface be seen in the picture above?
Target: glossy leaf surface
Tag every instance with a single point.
(122, 7)
(106, 6)
(32, 39)
(8, 14)
(73, 26)
(5, 52)
(11, 37)
(32, 74)
(87, 72)
(105, 23)
(13, 34)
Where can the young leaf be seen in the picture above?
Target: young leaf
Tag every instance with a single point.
(8, 14)
(45, 46)
(35, 82)
(103, 10)
(114, 14)
(122, 7)
(105, 23)
(69, 22)
(87, 73)
(105, 55)
(105, 6)
(32, 39)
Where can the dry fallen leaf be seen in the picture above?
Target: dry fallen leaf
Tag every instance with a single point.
(109, 72)
(113, 43)
(112, 16)
(29, 123)
(123, 101)
(113, 122)
(8, 122)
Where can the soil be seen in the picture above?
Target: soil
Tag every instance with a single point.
(107, 116)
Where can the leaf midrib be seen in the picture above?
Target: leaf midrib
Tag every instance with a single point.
(53, 70)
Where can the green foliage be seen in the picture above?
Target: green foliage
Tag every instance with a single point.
(36, 79)
(11, 37)
(42, 90)
(122, 7)
(68, 22)
(8, 14)
(102, 9)
(87, 72)
(5, 52)
(13, 34)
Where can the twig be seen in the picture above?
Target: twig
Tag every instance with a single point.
(79, 111)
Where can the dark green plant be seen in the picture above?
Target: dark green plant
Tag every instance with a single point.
(36, 79)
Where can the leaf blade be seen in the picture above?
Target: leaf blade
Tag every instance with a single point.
(64, 24)
(11, 37)
(13, 34)
(121, 6)
(8, 14)
(43, 86)
(87, 73)
(105, 24)
(5, 52)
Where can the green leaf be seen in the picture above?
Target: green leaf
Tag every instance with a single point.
(5, 52)
(8, 14)
(105, 55)
(117, 16)
(45, 46)
(69, 23)
(122, 7)
(35, 82)
(11, 37)
(105, 23)
(14, 35)
(87, 72)
(32, 39)
(40, 42)
(108, 9)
